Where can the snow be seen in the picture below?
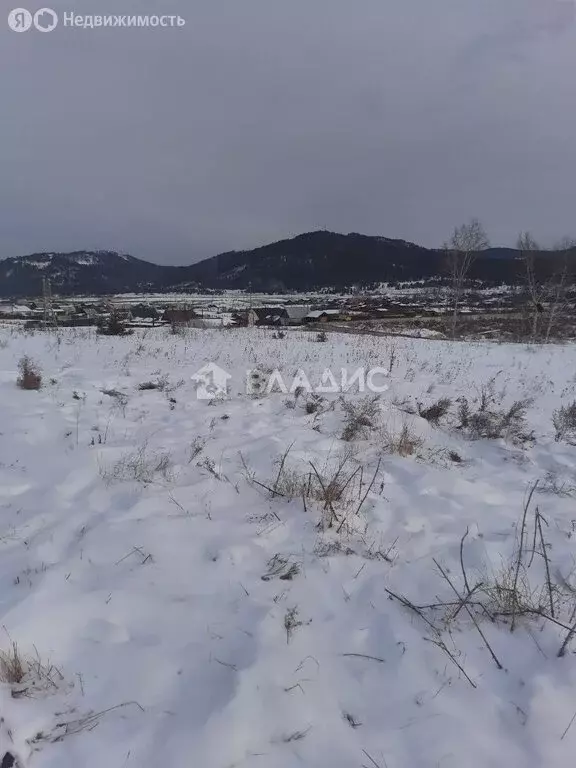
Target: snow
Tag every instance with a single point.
(20, 309)
(317, 313)
(87, 260)
(424, 333)
(38, 264)
(161, 645)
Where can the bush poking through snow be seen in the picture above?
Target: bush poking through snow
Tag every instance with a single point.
(557, 485)
(564, 420)
(490, 421)
(30, 376)
(522, 590)
(119, 398)
(140, 466)
(160, 384)
(340, 488)
(433, 413)
(360, 416)
(314, 403)
(280, 567)
(405, 442)
(12, 667)
(291, 622)
(196, 447)
(322, 336)
(27, 675)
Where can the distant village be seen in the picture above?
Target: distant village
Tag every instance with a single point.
(417, 311)
(143, 314)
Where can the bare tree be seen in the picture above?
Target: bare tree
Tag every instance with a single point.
(547, 274)
(558, 284)
(531, 251)
(465, 244)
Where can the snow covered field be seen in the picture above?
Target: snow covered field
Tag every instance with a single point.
(181, 596)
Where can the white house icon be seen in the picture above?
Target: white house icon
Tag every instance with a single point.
(211, 381)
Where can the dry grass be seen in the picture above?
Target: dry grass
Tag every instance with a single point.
(488, 419)
(557, 485)
(196, 447)
(119, 398)
(141, 466)
(27, 676)
(160, 384)
(405, 442)
(280, 567)
(564, 420)
(291, 622)
(434, 412)
(507, 593)
(360, 417)
(315, 404)
(339, 488)
(13, 668)
(521, 590)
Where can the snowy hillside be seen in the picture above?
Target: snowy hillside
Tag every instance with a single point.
(76, 273)
(285, 580)
(312, 261)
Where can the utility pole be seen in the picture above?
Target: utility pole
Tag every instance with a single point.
(49, 314)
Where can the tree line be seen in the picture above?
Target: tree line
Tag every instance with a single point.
(548, 274)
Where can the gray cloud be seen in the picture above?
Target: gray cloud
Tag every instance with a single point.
(259, 120)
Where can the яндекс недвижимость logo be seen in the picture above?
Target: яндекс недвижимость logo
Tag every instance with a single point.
(46, 20)
(21, 20)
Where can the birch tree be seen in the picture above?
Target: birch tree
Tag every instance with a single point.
(548, 278)
(559, 284)
(466, 243)
(531, 251)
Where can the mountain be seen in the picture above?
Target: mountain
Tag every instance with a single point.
(330, 260)
(315, 260)
(80, 272)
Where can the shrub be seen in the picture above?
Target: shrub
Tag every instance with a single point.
(12, 668)
(516, 594)
(338, 487)
(490, 421)
(360, 416)
(322, 336)
(139, 465)
(30, 376)
(404, 443)
(564, 420)
(196, 447)
(433, 413)
(161, 384)
(113, 326)
(314, 403)
(27, 675)
(559, 486)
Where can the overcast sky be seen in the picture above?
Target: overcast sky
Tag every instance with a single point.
(262, 119)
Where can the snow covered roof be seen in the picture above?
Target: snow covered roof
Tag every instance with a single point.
(320, 312)
(21, 309)
(296, 313)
